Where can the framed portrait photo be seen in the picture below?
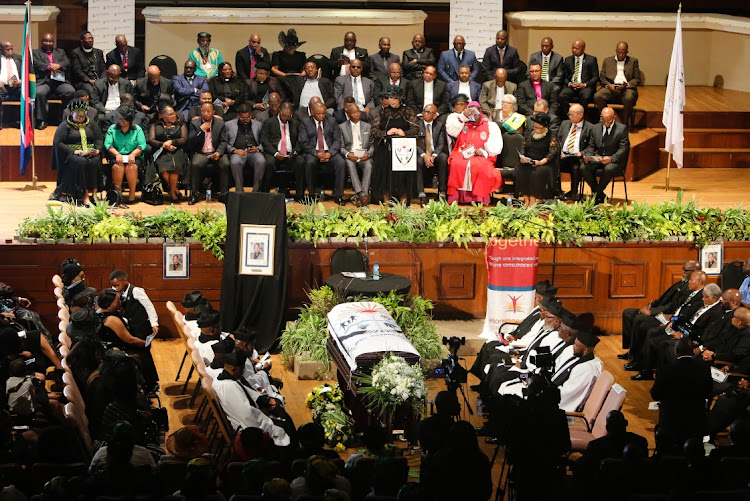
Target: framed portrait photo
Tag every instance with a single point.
(257, 243)
(711, 259)
(176, 261)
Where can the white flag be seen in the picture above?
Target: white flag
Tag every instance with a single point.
(674, 100)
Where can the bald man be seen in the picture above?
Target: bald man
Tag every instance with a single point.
(106, 95)
(452, 60)
(52, 69)
(128, 58)
(381, 60)
(340, 56)
(248, 57)
(395, 76)
(619, 78)
(581, 73)
(502, 55)
(416, 59)
(10, 75)
(153, 92)
(607, 154)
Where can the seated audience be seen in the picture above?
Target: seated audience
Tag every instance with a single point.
(288, 61)
(531, 90)
(125, 143)
(357, 150)
(309, 85)
(242, 136)
(356, 86)
(195, 111)
(393, 77)
(376, 447)
(427, 90)
(539, 154)
(10, 75)
(343, 55)
(619, 78)
(416, 59)
(451, 60)
(508, 118)
(382, 60)
(247, 58)
(169, 137)
(432, 154)
(128, 58)
(608, 150)
(207, 140)
(580, 75)
(271, 108)
(260, 88)
(550, 61)
(542, 106)
(207, 60)
(493, 91)
(199, 483)
(279, 137)
(228, 89)
(573, 137)
(253, 444)
(463, 85)
(320, 475)
(433, 431)
(52, 69)
(87, 63)
(502, 55)
(188, 88)
(91, 112)
(320, 141)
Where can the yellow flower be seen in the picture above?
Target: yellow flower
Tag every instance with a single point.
(339, 447)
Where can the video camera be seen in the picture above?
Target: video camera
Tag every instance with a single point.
(455, 374)
(543, 359)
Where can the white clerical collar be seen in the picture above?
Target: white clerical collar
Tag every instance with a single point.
(87, 50)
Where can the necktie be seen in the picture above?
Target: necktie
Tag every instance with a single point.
(394, 82)
(243, 383)
(321, 142)
(545, 67)
(283, 150)
(355, 90)
(428, 140)
(501, 56)
(577, 70)
(125, 63)
(570, 144)
(252, 65)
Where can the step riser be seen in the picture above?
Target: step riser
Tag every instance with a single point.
(710, 160)
(711, 140)
(696, 120)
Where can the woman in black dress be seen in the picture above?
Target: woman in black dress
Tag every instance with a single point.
(170, 136)
(288, 62)
(540, 148)
(395, 120)
(229, 89)
(77, 143)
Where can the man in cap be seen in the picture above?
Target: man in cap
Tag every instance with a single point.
(206, 59)
(238, 400)
(138, 308)
(576, 376)
(220, 348)
(209, 333)
(260, 90)
(256, 372)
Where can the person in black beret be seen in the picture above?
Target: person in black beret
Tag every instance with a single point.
(260, 87)
(540, 149)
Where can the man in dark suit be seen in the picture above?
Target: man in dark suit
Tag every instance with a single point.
(573, 137)
(416, 59)
(345, 86)
(541, 105)
(611, 144)
(464, 85)
(551, 63)
(272, 108)
(204, 97)
(188, 88)
(340, 56)
(580, 74)
(153, 92)
(106, 95)
(303, 88)
(734, 345)
(129, 59)
(381, 60)
(488, 96)
(87, 62)
(451, 60)
(242, 135)
(52, 69)
(534, 88)
(427, 90)
(394, 77)
(620, 78)
(10, 75)
(247, 58)
(320, 140)
(682, 389)
(502, 55)
(208, 143)
(279, 137)
(357, 150)
(432, 153)
(259, 90)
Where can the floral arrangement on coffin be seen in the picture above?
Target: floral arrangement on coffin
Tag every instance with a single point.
(327, 404)
(392, 384)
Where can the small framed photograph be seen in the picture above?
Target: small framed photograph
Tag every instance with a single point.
(257, 243)
(176, 261)
(711, 259)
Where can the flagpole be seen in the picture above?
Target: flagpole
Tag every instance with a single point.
(33, 186)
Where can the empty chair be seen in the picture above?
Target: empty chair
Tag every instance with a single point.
(580, 439)
(732, 275)
(586, 418)
(57, 281)
(348, 259)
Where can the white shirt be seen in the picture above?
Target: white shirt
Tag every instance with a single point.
(9, 70)
(140, 457)
(500, 94)
(606, 129)
(351, 54)
(113, 97)
(140, 295)
(575, 390)
(577, 140)
(360, 93)
(310, 90)
(464, 88)
(356, 136)
(620, 77)
(284, 127)
(429, 88)
(325, 144)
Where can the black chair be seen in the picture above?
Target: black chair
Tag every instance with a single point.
(166, 65)
(512, 144)
(732, 275)
(619, 175)
(325, 65)
(348, 259)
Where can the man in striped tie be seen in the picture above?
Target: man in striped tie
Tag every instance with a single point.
(574, 136)
(551, 63)
(581, 72)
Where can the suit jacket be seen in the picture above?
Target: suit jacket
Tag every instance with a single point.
(555, 73)
(41, 61)
(17, 60)
(196, 136)
(136, 63)
(711, 315)
(449, 64)
(308, 135)
(671, 299)
(584, 134)
(340, 116)
(230, 133)
(342, 88)
(142, 97)
(242, 61)
(734, 345)
(414, 70)
(609, 72)
(195, 111)
(415, 96)
(616, 145)
(683, 387)
(511, 63)
(185, 94)
(360, 54)
(526, 96)
(382, 82)
(488, 95)
(252, 90)
(474, 88)
(347, 139)
(270, 135)
(238, 91)
(81, 66)
(589, 70)
(379, 65)
(438, 138)
(297, 83)
(101, 92)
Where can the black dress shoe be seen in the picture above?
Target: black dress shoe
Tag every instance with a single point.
(341, 201)
(194, 199)
(491, 441)
(623, 356)
(631, 366)
(643, 376)
(475, 387)
(41, 125)
(422, 200)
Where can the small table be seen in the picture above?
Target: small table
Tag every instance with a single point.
(367, 286)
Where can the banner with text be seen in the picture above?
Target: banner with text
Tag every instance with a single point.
(511, 276)
(477, 21)
(109, 18)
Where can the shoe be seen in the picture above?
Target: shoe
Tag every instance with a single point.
(483, 431)
(643, 376)
(222, 198)
(364, 200)
(475, 387)
(278, 383)
(194, 199)
(623, 356)
(41, 125)
(175, 200)
(441, 196)
(491, 441)
(341, 201)
(631, 366)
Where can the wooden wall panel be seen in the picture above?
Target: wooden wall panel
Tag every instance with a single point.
(628, 279)
(457, 281)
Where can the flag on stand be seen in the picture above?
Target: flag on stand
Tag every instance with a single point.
(674, 100)
(28, 93)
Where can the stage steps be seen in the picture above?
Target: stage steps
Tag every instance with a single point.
(711, 157)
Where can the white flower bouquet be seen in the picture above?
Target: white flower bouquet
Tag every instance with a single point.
(393, 383)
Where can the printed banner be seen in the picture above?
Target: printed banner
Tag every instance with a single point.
(109, 18)
(478, 21)
(511, 276)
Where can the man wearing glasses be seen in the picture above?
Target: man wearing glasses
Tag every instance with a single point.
(606, 155)
(356, 86)
(574, 137)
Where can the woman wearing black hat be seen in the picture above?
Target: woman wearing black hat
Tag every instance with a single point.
(169, 136)
(77, 143)
(125, 143)
(395, 120)
(288, 61)
(228, 89)
(540, 148)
